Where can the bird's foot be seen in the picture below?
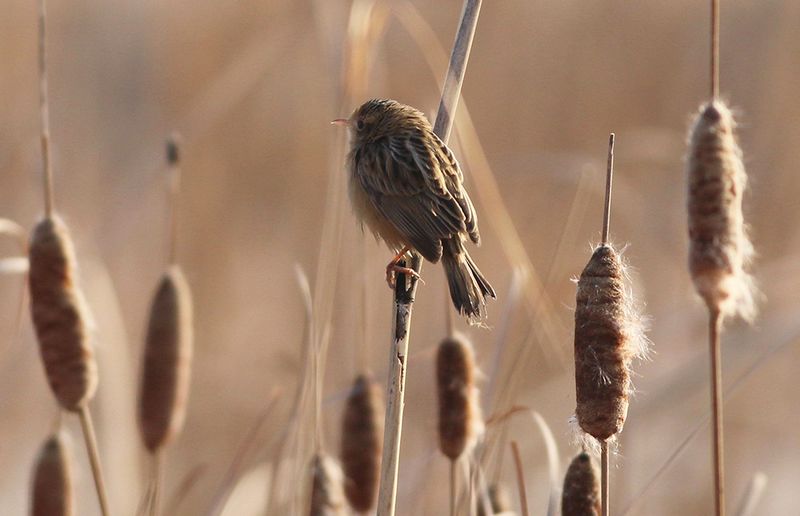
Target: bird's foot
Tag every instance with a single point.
(394, 268)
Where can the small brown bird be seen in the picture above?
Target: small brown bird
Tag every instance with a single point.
(407, 186)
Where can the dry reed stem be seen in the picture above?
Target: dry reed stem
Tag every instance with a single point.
(608, 336)
(60, 316)
(404, 293)
(327, 495)
(460, 419)
(166, 369)
(52, 491)
(547, 328)
(523, 496)
(361, 443)
(719, 251)
(90, 439)
(581, 495)
(605, 510)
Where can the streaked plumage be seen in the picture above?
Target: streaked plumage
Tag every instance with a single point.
(407, 187)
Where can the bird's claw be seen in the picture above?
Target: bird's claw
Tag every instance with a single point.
(391, 274)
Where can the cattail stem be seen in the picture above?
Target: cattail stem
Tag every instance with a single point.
(714, 49)
(173, 160)
(523, 496)
(609, 178)
(156, 473)
(604, 486)
(405, 289)
(453, 487)
(44, 112)
(94, 458)
(715, 324)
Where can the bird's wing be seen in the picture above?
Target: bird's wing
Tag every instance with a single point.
(454, 179)
(405, 182)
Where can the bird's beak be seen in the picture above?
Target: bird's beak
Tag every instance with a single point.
(340, 121)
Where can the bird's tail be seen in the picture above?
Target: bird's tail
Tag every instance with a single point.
(468, 287)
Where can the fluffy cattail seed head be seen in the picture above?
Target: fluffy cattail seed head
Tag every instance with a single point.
(362, 443)
(52, 479)
(327, 496)
(581, 496)
(167, 365)
(460, 419)
(60, 316)
(608, 335)
(719, 249)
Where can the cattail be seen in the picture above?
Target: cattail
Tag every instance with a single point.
(581, 496)
(167, 361)
(460, 420)
(362, 442)
(499, 500)
(720, 250)
(60, 315)
(327, 496)
(608, 335)
(52, 479)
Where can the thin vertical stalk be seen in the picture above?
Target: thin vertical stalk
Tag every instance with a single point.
(523, 496)
(406, 287)
(44, 112)
(715, 324)
(714, 49)
(609, 177)
(453, 480)
(94, 458)
(157, 466)
(604, 485)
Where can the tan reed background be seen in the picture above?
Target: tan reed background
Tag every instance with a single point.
(252, 87)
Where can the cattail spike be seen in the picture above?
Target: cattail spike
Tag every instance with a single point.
(460, 420)
(719, 251)
(608, 335)
(60, 316)
(166, 370)
(581, 495)
(327, 496)
(362, 442)
(52, 492)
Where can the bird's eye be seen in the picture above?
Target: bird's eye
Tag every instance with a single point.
(359, 124)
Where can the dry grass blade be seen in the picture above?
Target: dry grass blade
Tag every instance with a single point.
(523, 497)
(361, 444)
(166, 370)
(52, 491)
(581, 494)
(499, 500)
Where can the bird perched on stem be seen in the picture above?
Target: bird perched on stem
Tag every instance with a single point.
(407, 186)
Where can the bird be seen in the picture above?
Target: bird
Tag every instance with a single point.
(407, 187)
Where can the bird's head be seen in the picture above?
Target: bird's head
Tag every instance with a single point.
(378, 118)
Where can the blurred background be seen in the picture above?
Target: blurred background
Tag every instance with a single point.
(252, 86)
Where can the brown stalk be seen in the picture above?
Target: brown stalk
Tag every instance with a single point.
(406, 288)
